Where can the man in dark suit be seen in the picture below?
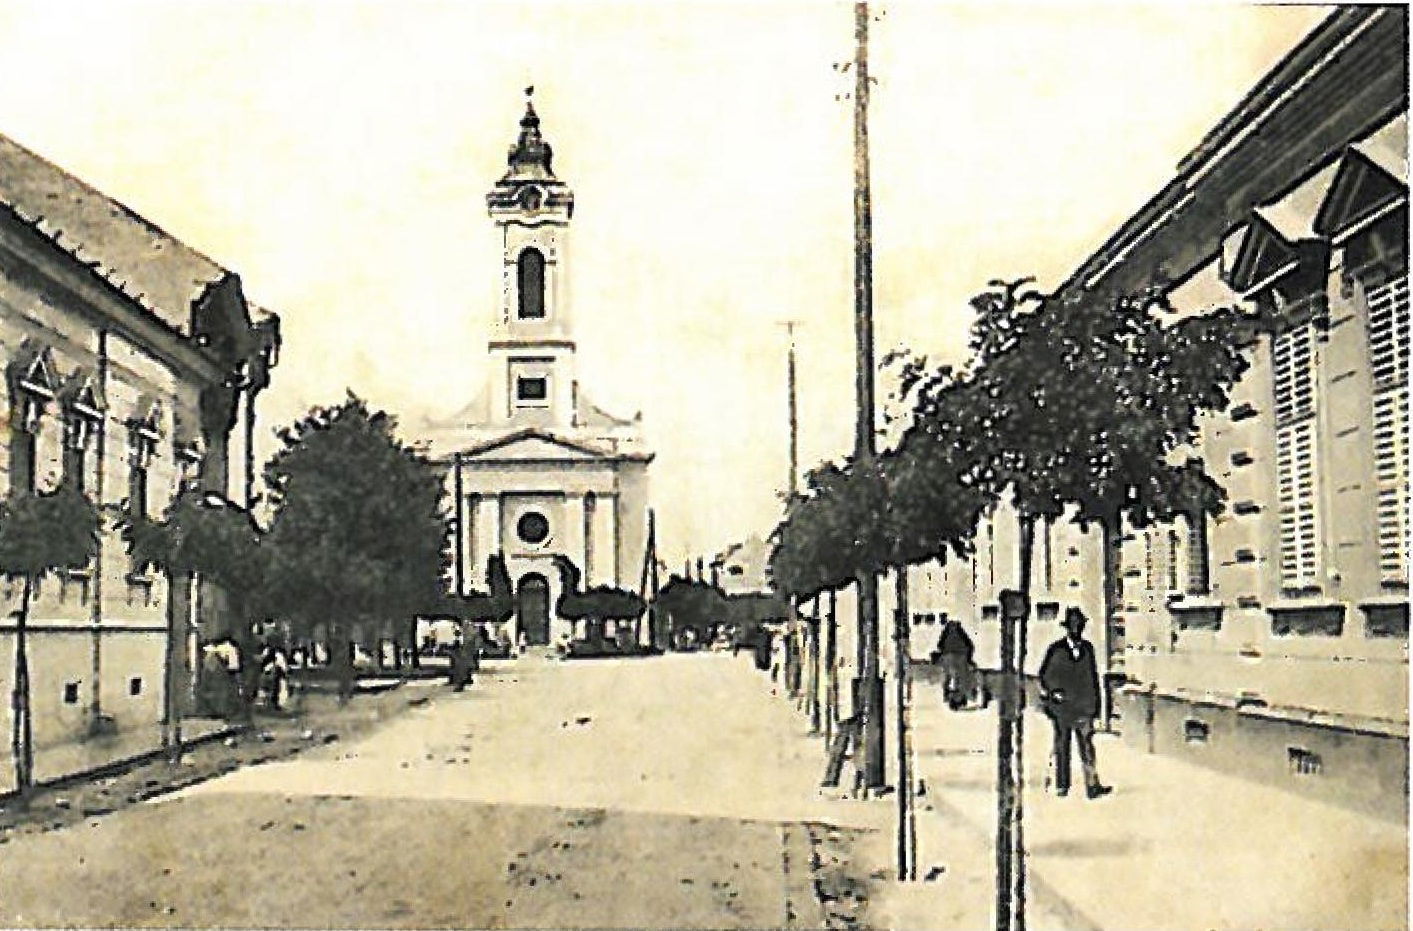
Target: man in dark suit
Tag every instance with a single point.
(1069, 689)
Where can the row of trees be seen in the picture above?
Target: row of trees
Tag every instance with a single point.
(1077, 407)
(355, 545)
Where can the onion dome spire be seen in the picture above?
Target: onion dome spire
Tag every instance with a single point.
(530, 155)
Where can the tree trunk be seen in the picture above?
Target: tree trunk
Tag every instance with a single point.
(1111, 542)
(813, 633)
(22, 729)
(907, 827)
(1010, 766)
(869, 685)
(831, 671)
(175, 675)
(341, 657)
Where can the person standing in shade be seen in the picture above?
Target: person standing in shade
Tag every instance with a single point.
(955, 653)
(1069, 691)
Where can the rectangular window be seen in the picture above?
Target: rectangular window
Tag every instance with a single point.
(71, 693)
(532, 389)
(1297, 480)
(1388, 358)
(1386, 621)
(22, 457)
(1173, 560)
(1198, 559)
(135, 685)
(1308, 622)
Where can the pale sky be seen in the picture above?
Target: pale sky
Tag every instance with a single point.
(337, 154)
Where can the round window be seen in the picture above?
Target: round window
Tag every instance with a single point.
(532, 527)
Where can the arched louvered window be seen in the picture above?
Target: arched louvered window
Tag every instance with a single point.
(530, 278)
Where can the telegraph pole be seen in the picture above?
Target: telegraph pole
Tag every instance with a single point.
(868, 687)
(792, 487)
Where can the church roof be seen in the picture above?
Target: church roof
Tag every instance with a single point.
(157, 271)
(554, 440)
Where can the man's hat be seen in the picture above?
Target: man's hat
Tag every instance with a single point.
(1074, 616)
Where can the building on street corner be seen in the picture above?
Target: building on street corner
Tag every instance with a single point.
(535, 469)
(1273, 640)
(129, 358)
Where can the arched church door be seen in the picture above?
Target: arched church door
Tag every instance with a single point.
(532, 608)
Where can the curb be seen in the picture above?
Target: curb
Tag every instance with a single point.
(125, 763)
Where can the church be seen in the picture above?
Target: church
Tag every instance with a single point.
(535, 469)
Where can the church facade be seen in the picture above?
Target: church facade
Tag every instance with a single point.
(535, 470)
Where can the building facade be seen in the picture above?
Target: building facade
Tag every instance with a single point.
(1273, 640)
(128, 357)
(537, 472)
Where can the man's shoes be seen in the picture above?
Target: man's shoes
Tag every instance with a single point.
(1097, 791)
(1062, 791)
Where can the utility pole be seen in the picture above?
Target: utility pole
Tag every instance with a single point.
(792, 488)
(868, 687)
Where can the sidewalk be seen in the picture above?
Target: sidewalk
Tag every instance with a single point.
(1175, 846)
(75, 758)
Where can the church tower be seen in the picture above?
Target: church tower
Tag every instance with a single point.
(532, 344)
(540, 475)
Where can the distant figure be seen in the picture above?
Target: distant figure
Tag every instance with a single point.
(955, 652)
(274, 676)
(1069, 690)
(522, 643)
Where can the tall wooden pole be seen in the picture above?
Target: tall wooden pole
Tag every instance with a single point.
(907, 819)
(868, 687)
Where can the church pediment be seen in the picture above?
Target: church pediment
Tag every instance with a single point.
(534, 445)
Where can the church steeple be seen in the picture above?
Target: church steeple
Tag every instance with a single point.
(530, 155)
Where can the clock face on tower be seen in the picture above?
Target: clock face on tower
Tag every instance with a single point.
(531, 198)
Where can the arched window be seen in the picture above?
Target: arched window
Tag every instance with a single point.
(531, 281)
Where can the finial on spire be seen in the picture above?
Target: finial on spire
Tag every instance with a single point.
(530, 91)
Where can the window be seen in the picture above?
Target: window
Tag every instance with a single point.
(1388, 357)
(1198, 558)
(22, 456)
(71, 693)
(1297, 481)
(78, 434)
(532, 389)
(1386, 621)
(532, 528)
(1308, 622)
(530, 284)
(135, 685)
(142, 445)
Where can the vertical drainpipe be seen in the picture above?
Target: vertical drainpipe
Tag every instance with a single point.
(95, 702)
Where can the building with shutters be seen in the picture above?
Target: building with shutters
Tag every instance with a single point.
(535, 469)
(129, 359)
(1273, 640)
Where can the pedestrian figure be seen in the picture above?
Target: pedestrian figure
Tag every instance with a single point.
(1069, 691)
(274, 676)
(955, 652)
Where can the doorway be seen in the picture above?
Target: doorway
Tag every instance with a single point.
(532, 608)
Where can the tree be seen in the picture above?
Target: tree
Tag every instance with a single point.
(594, 605)
(357, 535)
(1085, 402)
(39, 533)
(203, 535)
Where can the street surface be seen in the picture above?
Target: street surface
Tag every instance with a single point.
(669, 792)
